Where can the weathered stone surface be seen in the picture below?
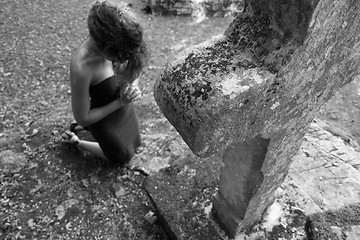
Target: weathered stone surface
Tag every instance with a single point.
(203, 91)
(303, 193)
(354, 233)
(238, 183)
(316, 185)
(267, 77)
(326, 169)
(183, 194)
(321, 225)
(195, 7)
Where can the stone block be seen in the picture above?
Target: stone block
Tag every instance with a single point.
(183, 194)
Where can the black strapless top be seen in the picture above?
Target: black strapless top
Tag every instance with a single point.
(118, 133)
(106, 91)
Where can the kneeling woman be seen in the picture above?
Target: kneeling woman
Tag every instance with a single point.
(104, 75)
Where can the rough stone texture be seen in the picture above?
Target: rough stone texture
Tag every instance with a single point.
(354, 232)
(324, 184)
(330, 224)
(208, 8)
(327, 168)
(267, 76)
(183, 194)
(184, 190)
(239, 182)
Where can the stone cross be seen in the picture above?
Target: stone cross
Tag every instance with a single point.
(248, 96)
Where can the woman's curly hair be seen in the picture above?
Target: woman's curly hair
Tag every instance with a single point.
(119, 36)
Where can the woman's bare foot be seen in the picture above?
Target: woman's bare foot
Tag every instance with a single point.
(70, 137)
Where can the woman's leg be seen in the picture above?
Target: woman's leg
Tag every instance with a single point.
(92, 147)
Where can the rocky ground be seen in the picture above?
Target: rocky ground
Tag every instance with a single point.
(49, 190)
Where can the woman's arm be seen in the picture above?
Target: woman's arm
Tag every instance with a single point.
(80, 100)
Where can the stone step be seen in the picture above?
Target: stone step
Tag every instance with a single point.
(322, 191)
(326, 169)
(183, 194)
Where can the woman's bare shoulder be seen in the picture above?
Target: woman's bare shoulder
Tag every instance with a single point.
(82, 64)
(79, 60)
(89, 65)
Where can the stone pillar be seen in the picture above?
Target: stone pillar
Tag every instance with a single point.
(240, 178)
(250, 94)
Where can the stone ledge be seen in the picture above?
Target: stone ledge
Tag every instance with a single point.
(321, 186)
(183, 194)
